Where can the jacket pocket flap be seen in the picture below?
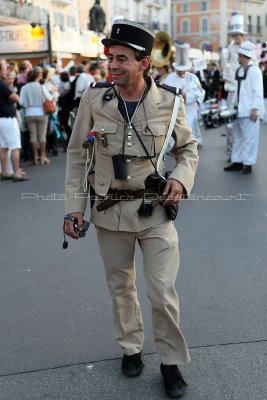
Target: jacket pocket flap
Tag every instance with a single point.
(155, 130)
(103, 128)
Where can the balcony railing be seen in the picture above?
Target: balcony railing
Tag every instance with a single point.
(24, 12)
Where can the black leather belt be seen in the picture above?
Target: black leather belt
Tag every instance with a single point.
(115, 196)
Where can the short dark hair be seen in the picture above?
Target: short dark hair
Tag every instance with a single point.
(72, 70)
(139, 55)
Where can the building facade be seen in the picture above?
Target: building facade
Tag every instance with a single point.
(62, 27)
(155, 13)
(204, 24)
(64, 23)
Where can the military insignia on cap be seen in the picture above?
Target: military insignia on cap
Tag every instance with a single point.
(118, 30)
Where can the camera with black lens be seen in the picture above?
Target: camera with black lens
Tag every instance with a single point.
(155, 181)
(158, 182)
(80, 232)
(152, 181)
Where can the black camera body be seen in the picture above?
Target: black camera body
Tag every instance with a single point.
(157, 181)
(79, 232)
(82, 232)
(146, 208)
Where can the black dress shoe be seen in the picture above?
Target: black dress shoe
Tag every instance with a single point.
(236, 166)
(247, 169)
(6, 177)
(132, 365)
(174, 383)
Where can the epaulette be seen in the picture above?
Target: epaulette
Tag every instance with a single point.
(101, 84)
(172, 89)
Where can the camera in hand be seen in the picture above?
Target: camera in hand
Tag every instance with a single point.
(79, 232)
(156, 180)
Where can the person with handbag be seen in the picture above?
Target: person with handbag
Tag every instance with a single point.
(119, 137)
(32, 97)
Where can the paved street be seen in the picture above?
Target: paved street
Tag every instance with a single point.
(56, 331)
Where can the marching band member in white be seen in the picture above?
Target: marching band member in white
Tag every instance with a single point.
(250, 108)
(230, 63)
(190, 85)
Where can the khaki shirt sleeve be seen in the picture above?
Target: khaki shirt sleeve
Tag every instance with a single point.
(75, 197)
(185, 151)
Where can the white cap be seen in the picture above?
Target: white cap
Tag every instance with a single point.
(247, 49)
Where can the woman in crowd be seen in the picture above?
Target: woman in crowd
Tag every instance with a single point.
(32, 96)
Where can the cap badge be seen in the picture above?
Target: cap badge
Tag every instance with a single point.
(118, 31)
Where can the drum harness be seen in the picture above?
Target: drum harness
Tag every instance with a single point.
(240, 79)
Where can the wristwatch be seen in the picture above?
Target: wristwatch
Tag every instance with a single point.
(71, 218)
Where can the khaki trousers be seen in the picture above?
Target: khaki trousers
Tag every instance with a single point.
(159, 246)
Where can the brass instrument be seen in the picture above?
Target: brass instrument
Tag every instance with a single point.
(162, 50)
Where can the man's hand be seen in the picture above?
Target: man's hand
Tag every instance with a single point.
(173, 191)
(253, 115)
(69, 225)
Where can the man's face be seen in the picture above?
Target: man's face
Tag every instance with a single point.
(3, 72)
(124, 67)
(238, 38)
(181, 74)
(243, 61)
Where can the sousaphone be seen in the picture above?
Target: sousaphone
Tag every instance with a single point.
(162, 50)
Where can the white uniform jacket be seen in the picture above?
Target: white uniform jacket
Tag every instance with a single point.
(195, 94)
(98, 112)
(251, 92)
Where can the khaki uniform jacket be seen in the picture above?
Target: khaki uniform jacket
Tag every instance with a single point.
(98, 112)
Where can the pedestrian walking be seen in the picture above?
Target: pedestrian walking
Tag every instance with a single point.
(250, 108)
(10, 140)
(32, 95)
(127, 122)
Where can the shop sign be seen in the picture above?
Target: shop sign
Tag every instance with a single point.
(23, 38)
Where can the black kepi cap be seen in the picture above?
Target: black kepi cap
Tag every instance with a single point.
(130, 34)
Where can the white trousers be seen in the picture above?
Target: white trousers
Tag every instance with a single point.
(245, 141)
(159, 246)
(192, 121)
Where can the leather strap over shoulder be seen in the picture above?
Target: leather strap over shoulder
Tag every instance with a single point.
(172, 89)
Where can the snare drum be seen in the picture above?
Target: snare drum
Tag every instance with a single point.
(206, 116)
(211, 118)
(228, 116)
(215, 118)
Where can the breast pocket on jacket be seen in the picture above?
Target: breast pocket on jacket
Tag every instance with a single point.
(107, 137)
(153, 137)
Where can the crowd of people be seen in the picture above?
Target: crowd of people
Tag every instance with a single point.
(26, 131)
(33, 134)
(115, 154)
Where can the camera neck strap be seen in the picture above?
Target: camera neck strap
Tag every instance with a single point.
(167, 138)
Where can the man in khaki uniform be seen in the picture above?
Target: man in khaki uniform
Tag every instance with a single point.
(125, 124)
